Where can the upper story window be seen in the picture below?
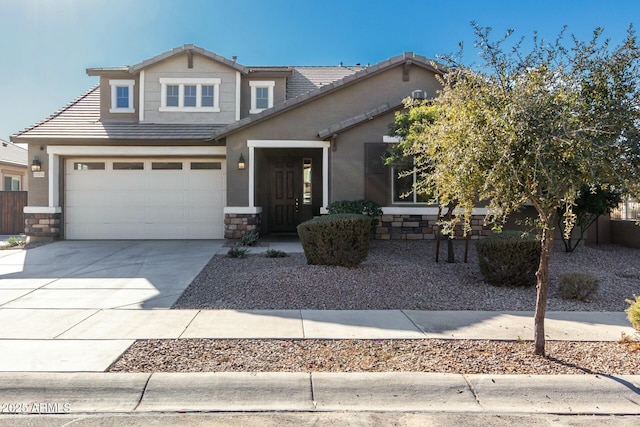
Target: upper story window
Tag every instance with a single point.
(261, 95)
(122, 96)
(190, 95)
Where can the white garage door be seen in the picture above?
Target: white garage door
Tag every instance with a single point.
(127, 198)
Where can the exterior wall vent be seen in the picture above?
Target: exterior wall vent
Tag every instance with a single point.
(418, 94)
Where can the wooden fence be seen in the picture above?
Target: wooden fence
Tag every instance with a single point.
(12, 205)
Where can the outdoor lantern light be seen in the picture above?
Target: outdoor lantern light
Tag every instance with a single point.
(241, 164)
(36, 166)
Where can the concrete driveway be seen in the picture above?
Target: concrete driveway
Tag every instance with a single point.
(49, 293)
(101, 274)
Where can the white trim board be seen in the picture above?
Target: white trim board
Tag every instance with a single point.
(102, 150)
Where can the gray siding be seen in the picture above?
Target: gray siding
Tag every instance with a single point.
(176, 67)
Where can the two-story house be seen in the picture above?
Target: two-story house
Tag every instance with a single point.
(190, 144)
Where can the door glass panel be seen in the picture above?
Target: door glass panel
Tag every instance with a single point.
(206, 165)
(166, 165)
(306, 177)
(88, 166)
(119, 166)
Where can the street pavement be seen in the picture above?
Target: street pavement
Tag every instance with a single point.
(69, 309)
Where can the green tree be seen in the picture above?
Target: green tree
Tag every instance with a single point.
(589, 206)
(533, 128)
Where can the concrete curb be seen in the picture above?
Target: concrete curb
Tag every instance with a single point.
(323, 392)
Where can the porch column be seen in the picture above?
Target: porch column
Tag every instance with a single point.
(252, 177)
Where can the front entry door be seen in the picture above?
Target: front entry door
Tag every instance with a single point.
(286, 194)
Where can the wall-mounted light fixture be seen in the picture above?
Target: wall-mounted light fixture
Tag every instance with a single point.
(241, 164)
(36, 166)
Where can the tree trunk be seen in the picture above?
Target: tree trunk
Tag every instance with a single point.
(542, 286)
(451, 255)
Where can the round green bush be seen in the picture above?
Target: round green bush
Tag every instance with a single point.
(578, 286)
(633, 312)
(509, 258)
(341, 239)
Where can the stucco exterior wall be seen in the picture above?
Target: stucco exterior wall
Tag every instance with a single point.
(306, 120)
(176, 67)
(39, 187)
(105, 99)
(279, 92)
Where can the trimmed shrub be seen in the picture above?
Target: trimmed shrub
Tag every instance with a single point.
(363, 207)
(341, 239)
(633, 312)
(578, 286)
(509, 258)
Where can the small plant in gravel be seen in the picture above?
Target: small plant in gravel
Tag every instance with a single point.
(237, 252)
(633, 312)
(249, 238)
(275, 253)
(16, 241)
(578, 286)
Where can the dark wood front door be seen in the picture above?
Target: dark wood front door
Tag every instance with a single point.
(286, 194)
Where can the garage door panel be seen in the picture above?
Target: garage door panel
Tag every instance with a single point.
(165, 199)
(144, 203)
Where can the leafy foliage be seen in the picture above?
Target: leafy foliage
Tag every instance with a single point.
(275, 253)
(633, 312)
(249, 238)
(589, 206)
(237, 252)
(340, 239)
(363, 207)
(533, 127)
(509, 258)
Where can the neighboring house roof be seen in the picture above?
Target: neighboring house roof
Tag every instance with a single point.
(408, 58)
(81, 119)
(12, 154)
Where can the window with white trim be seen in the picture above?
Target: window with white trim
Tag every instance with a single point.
(261, 95)
(403, 184)
(122, 96)
(190, 95)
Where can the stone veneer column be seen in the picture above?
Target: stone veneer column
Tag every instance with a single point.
(238, 220)
(42, 223)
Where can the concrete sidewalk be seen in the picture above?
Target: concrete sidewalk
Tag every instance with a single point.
(72, 340)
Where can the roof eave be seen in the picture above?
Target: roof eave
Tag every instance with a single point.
(186, 49)
(380, 67)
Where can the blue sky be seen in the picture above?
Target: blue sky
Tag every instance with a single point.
(46, 45)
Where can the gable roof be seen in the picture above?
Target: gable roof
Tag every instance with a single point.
(12, 154)
(407, 57)
(188, 48)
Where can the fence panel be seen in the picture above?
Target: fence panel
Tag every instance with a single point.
(12, 205)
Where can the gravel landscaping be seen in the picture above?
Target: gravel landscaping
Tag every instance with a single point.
(403, 275)
(396, 275)
(451, 356)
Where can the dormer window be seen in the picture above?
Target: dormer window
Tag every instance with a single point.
(261, 95)
(122, 96)
(190, 95)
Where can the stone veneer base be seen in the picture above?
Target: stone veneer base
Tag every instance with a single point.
(42, 225)
(235, 225)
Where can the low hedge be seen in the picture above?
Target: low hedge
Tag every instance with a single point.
(340, 239)
(510, 258)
